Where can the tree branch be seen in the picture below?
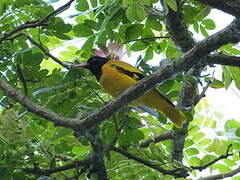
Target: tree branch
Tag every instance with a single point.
(46, 52)
(225, 156)
(224, 59)
(222, 175)
(32, 107)
(148, 39)
(230, 34)
(33, 24)
(161, 137)
(97, 159)
(85, 162)
(149, 164)
(228, 6)
(178, 30)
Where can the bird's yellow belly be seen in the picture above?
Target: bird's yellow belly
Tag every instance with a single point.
(115, 83)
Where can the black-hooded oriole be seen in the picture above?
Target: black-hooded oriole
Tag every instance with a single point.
(116, 76)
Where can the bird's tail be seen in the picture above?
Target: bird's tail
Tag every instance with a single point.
(165, 106)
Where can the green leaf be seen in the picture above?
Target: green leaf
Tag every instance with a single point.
(231, 124)
(209, 24)
(194, 161)
(214, 83)
(227, 78)
(147, 33)
(207, 159)
(196, 26)
(191, 151)
(166, 86)
(203, 31)
(87, 46)
(237, 132)
(139, 46)
(154, 23)
(94, 3)
(82, 5)
(133, 32)
(135, 12)
(235, 74)
(172, 4)
(37, 58)
(145, 2)
(82, 30)
(148, 54)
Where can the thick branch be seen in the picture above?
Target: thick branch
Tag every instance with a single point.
(228, 6)
(223, 59)
(222, 175)
(98, 160)
(76, 164)
(187, 99)
(149, 164)
(178, 30)
(230, 34)
(161, 137)
(33, 24)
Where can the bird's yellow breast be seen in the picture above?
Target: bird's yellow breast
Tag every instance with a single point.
(113, 81)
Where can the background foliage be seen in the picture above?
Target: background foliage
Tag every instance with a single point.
(30, 142)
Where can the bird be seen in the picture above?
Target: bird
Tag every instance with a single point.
(115, 76)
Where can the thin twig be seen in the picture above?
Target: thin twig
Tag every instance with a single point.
(222, 175)
(93, 90)
(120, 127)
(182, 173)
(76, 164)
(22, 79)
(46, 52)
(225, 156)
(161, 137)
(147, 39)
(33, 24)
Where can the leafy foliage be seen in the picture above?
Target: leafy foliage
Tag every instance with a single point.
(28, 141)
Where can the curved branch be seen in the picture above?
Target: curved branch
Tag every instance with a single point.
(85, 162)
(225, 156)
(161, 137)
(33, 24)
(178, 30)
(149, 164)
(230, 34)
(32, 107)
(40, 46)
(228, 6)
(222, 175)
(223, 59)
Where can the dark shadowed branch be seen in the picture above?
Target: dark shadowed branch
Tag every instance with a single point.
(161, 137)
(37, 23)
(228, 6)
(75, 164)
(149, 164)
(148, 39)
(178, 29)
(34, 108)
(222, 175)
(231, 34)
(225, 156)
(223, 59)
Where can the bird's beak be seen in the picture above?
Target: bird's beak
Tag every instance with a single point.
(82, 65)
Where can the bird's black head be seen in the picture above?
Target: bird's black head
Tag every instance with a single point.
(94, 64)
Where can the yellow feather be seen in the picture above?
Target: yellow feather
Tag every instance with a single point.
(115, 81)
